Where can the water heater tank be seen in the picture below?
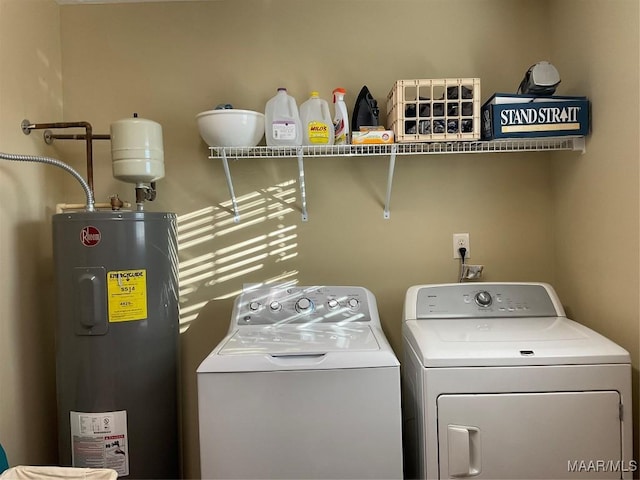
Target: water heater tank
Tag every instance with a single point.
(136, 150)
(117, 341)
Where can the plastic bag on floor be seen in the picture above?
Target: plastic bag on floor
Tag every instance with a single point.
(24, 472)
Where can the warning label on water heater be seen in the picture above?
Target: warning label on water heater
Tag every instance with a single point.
(127, 290)
(99, 440)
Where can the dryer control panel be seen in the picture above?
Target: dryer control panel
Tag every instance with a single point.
(278, 305)
(477, 300)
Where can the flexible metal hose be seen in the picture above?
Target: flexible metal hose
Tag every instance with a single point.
(57, 163)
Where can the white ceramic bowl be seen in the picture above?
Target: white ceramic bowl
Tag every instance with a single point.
(231, 127)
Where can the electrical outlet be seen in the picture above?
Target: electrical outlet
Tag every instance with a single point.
(461, 240)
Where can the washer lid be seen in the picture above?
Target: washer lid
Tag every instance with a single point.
(509, 341)
(300, 347)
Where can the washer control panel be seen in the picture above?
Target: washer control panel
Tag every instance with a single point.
(271, 305)
(484, 300)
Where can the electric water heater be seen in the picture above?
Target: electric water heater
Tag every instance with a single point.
(117, 341)
(117, 331)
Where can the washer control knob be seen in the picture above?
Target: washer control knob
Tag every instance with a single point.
(275, 306)
(483, 298)
(353, 303)
(254, 306)
(304, 305)
(333, 303)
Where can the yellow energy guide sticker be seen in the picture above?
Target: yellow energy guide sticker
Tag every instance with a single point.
(127, 290)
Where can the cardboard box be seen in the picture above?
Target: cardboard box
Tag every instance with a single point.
(524, 116)
(372, 137)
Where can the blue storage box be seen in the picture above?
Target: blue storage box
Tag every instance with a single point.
(507, 115)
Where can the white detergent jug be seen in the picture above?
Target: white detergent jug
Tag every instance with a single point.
(282, 121)
(340, 118)
(317, 124)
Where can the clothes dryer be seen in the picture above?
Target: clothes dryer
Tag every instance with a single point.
(305, 385)
(498, 383)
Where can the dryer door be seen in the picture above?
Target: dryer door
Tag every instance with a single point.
(530, 435)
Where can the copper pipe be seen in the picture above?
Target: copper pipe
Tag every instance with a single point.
(80, 136)
(89, 144)
(88, 137)
(41, 126)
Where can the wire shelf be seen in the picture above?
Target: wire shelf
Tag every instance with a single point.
(427, 148)
(391, 150)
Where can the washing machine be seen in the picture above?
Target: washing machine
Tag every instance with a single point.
(498, 383)
(304, 385)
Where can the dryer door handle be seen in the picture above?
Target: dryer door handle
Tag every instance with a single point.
(463, 444)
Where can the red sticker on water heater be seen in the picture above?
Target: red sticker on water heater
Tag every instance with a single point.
(90, 236)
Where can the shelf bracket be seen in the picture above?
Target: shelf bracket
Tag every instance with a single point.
(227, 174)
(580, 145)
(303, 193)
(392, 166)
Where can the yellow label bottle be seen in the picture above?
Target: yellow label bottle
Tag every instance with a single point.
(317, 124)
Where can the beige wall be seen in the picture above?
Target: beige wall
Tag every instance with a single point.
(30, 87)
(596, 196)
(169, 61)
